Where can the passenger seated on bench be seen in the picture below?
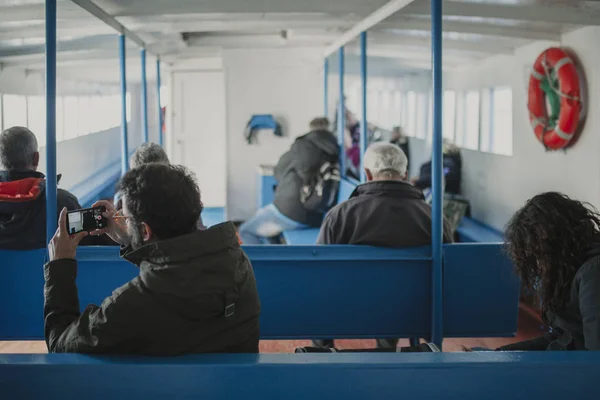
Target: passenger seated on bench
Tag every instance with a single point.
(195, 293)
(23, 193)
(295, 168)
(554, 243)
(145, 154)
(386, 211)
(452, 161)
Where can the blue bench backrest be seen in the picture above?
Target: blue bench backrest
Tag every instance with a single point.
(310, 291)
(431, 376)
(345, 190)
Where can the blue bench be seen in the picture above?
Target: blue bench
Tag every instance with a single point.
(473, 231)
(311, 291)
(432, 376)
(309, 236)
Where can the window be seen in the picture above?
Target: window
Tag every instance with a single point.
(84, 116)
(71, 108)
(411, 110)
(1, 115)
(459, 125)
(372, 106)
(449, 111)
(60, 119)
(36, 118)
(386, 111)
(471, 121)
(15, 110)
(397, 109)
(422, 115)
(485, 140)
(502, 129)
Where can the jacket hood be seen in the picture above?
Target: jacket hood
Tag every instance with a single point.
(180, 266)
(325, 141)
(391, 188)
(20, 195)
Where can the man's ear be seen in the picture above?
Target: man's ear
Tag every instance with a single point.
(368, 174)
(405, 177)
(148, 235)
(36, 159)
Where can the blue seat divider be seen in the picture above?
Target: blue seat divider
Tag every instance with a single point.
(472, 231)
(309, 291)
(309, 236)
(432, 376)
(479, 273)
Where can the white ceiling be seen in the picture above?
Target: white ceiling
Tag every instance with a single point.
(180, 29)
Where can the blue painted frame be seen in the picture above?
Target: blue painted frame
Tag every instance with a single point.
(144, 98)
(437, 173)
(364, 126)
(341, 113)
(326, 88)
(158, 101)
(124, 139)
(51, 178)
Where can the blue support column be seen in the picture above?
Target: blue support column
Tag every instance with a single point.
(124, 144)
(160, 116)
(437, 171)
(51, 181)
(364, 126)
(326, 88)
(144, 98)
(342, 114)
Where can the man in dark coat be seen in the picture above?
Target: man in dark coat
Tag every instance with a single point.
(196, 291)
(294, 169)
(23, 193)
(386, 211)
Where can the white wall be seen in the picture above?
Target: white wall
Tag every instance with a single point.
(287, 83)
(498, 185)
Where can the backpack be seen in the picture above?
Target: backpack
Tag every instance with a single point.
(320, 193)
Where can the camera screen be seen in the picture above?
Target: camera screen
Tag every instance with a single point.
(89, 219)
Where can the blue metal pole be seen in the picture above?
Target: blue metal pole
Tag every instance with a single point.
(342, 115)
(326, 88)
(51, 181)
(364, 126)
(124, 144)
(436, 184)
(144, 98)
(160, 116)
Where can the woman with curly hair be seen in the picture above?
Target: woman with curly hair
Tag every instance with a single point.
(554, 243)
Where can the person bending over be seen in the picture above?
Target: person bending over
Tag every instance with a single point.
(294, 169)
(386, 211)
(554, 244)
(23, 193)
(195, 293)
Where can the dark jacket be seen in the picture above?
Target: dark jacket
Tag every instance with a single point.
(577, 327)
(381, 213)
(194, 294)
(453, 171)
(23, 209)
(296, 167)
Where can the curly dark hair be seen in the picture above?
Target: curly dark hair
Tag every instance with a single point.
(547, 241)
(166, 197)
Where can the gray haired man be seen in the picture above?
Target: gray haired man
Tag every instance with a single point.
(23, 192)
(386, 211)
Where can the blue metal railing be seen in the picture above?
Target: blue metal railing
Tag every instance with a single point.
(364, 126)
(51, 179)
(144, 98)
(158, 101)
(124, 142)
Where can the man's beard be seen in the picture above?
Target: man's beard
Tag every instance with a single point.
(137, 239)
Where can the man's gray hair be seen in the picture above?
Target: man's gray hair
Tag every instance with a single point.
(149, 153)
(18, 146)
(386, 160)
(319, 124)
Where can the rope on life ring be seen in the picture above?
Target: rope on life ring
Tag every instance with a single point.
(555, 79)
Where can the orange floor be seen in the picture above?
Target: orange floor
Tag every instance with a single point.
(529, 327)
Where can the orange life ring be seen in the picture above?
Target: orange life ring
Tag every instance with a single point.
(555, 79)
